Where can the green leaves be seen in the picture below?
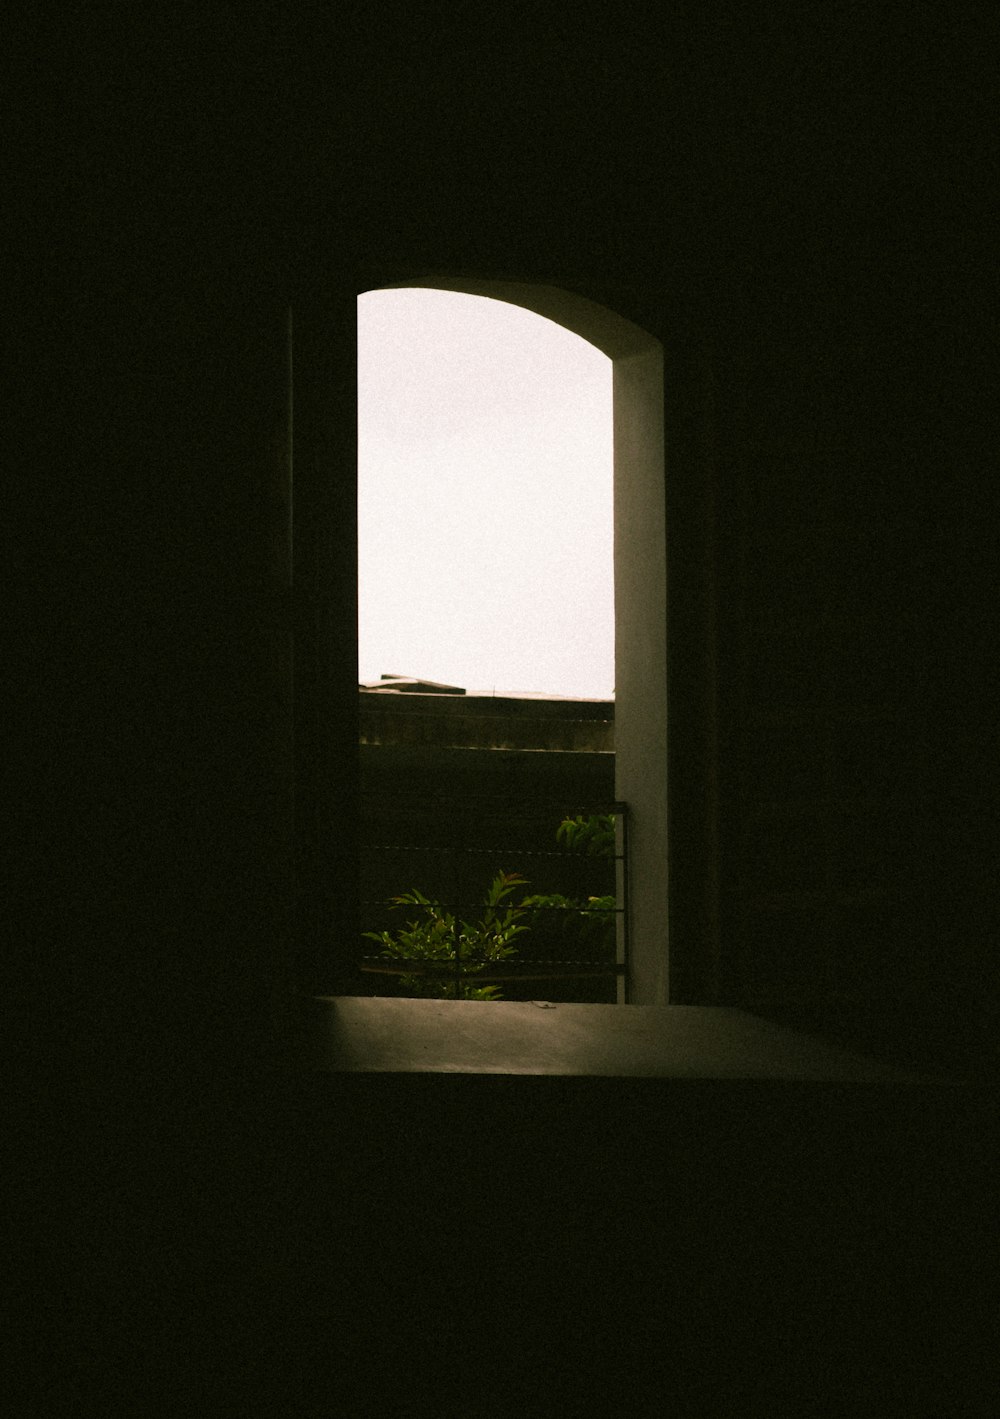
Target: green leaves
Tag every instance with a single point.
(449, 953)
(440, 943)
(593, 919)
(594, 835)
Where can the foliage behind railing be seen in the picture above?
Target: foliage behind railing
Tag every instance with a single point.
(448, 953)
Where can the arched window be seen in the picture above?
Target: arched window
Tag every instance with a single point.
(640, 599)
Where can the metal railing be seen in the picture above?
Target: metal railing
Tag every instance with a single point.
(504, 834)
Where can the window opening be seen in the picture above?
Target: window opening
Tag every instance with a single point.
(638, 782)
(485, 513)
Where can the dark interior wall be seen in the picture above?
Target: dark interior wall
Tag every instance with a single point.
(805, 199)
(828, 669)
(849, 877)
(176, 620)
(790, 203)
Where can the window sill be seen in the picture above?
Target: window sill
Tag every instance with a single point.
(355, 1035)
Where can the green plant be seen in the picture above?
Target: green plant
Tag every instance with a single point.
(594, 835)
(594, 918)
(450, 950)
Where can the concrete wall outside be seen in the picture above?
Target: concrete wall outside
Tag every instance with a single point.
(487, 722)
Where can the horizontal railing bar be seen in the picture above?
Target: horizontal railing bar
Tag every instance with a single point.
(512, 808)
(536, 808)
(493, 852)
(585, 969)
(480, 906)
(551, 721)
(436, 967)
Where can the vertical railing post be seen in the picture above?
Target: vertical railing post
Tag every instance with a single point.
(622, 892)
(458, 961)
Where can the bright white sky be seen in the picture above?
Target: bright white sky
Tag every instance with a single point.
(484, 497)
